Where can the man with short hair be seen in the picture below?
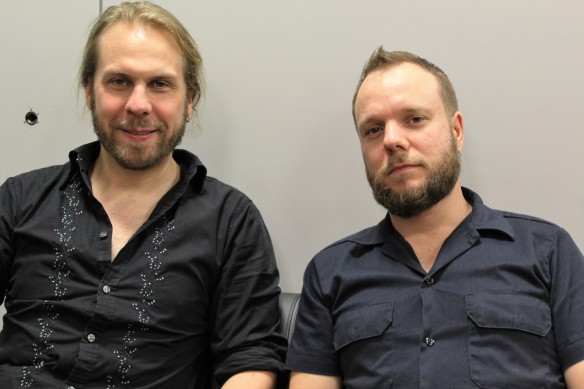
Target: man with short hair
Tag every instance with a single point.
(444, 292)
(128, 267)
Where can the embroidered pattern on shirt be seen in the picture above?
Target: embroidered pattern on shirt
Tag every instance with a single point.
(151, 277)
(63, 248)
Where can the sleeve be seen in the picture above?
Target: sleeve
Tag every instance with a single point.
(245, 335)
(567, 299)
(312, 349)
(6, 227)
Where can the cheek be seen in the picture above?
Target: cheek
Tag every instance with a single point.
(374, 157)
(107, 105)
(169, 111)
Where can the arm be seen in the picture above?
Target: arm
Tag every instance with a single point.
(567, 306)
(574, 376)
(312, 357)
(7, 202)
(246, 343)
(251, 380)
(312, 381)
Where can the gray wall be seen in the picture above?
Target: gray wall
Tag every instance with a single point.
(276, 119)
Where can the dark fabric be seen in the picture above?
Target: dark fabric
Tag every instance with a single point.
(502, 307)
(195, 290)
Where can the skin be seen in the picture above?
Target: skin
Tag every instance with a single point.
(138, 95)
(251, 380)
(312, 381)
(574, 376)
(400, 115)
(139, 101)
(399, 112)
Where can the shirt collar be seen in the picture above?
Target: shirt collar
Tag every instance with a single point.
(482, 219)
(485, 219)
(192, 169)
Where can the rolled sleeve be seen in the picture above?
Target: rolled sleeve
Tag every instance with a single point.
(245, 333)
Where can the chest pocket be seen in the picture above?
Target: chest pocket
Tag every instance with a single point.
(507, 340)
(362, 340)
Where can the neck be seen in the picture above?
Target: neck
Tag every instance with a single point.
(440, 220)
(108, 176)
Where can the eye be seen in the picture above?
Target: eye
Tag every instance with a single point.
(159, 84)
(417, 119)
(117, 82)
(373, 131)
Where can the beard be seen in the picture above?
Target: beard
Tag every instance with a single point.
(412, 201)
(136, 156)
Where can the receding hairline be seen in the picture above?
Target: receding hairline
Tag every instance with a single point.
(144, 14)
(382, 59)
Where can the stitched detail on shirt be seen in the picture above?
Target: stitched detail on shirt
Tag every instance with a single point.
(152, 277)
(63, 248)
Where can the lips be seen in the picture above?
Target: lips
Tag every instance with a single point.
(138, 131)
(399, 167)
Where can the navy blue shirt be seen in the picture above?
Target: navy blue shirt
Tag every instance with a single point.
(193, 293)
(502, 307)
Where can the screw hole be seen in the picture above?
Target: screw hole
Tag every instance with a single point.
(31, 118)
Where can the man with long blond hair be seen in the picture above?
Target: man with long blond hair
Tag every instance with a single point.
(129, 267)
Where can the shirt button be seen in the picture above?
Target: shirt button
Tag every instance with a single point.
(91, 338)
(103, 234)
(429, 281)
(106, 289)
(429, 342)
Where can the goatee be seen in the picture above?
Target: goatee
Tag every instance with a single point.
(413, 201)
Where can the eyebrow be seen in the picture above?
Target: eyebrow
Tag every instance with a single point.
(415, 109)
(163, 76)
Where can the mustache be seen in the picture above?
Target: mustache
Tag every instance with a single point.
(396, 160)
(128, 124)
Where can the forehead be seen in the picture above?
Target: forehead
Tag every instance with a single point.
(399, 81)
(126, 43)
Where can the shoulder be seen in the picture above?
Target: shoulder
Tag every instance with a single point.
(352, 246)
(526, 224)
(208, 189)
(223, 194)
(515, 226)
(536, 235)
(37, 180)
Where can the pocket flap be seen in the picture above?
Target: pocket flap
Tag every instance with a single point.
(362, 323)
(509, 311)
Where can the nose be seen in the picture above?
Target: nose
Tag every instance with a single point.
(395, 137)
(138, 103)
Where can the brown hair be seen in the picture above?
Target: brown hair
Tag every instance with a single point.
(155, 16)
(382, 58)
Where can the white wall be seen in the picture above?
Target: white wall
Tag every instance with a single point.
(41, 46)
(276, 122)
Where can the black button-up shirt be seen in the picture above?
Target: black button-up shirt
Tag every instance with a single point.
(195, 290)
(502, 307)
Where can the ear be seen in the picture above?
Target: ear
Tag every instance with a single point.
(88, 93)
(457, 124)
(190, 104)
